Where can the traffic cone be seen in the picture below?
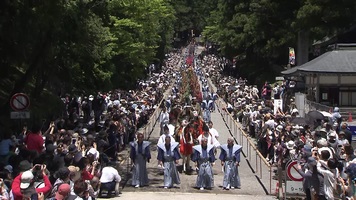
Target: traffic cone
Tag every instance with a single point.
(350, 117)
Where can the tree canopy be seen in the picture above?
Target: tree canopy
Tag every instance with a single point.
(258, 33)
(80, 45)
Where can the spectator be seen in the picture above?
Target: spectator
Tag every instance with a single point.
(23, 184)
(110, 179)
(34, 140)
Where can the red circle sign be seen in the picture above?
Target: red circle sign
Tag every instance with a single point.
(292, 171)
(19, 102)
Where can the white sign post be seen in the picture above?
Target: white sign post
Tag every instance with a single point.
(20, 115)
(293, 180)
(300, 103)
(278, 103)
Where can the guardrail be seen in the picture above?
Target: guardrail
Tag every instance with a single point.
(311, 105)
(249, 149)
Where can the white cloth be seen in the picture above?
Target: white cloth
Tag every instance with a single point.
(109, 174)
(214, 132)
(329, 180)
(95, 152)
(171, 129)
(211, 140)
(162, 139)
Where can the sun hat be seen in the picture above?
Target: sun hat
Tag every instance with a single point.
(26, 179)
(290, 145)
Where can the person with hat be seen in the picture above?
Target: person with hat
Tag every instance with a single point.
(348, 134)
(168, 156)
(140, 154)
(63, 177)
(342, 139)
(23, 184)
(204, 159)
(230, 161)
(74, 153)
(313, 180)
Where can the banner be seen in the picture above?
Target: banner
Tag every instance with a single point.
(291, 56)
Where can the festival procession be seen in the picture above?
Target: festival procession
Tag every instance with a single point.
(160, 99)
(101, 159)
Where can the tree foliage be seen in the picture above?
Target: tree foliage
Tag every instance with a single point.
(259, 32)
(70, 46)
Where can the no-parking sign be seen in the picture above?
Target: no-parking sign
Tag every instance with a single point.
(292, 171)
(19, 102)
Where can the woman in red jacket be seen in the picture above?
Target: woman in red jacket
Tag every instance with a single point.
(23, 183)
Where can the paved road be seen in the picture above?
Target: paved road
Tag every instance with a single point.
(252, 186)
(188, 196)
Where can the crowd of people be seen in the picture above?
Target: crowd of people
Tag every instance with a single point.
(76, 157)
(321, 144)
(187, 134)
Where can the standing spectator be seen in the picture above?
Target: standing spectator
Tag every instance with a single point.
(168, 157)
(5, 144)
(203, 156)
(34, 140)
(230, 161)
(336, 117)
(110, 179)
(140, 154)
(348, 134)
(163, 119)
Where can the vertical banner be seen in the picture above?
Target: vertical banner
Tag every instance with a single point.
(291, 56)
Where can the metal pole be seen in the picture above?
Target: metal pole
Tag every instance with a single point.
(249, 155)
(260, 169)
(270, 179)
(257, 161)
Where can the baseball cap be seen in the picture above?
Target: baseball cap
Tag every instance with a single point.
(26, 179)
(63, 191)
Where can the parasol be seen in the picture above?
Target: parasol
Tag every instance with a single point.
(316, 115)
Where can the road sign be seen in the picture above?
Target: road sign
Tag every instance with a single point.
(19, 115)
(19, 102)
(292, 171)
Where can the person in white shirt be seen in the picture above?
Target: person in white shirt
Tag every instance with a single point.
(213, 131)
(110, 179)
(163, 119)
